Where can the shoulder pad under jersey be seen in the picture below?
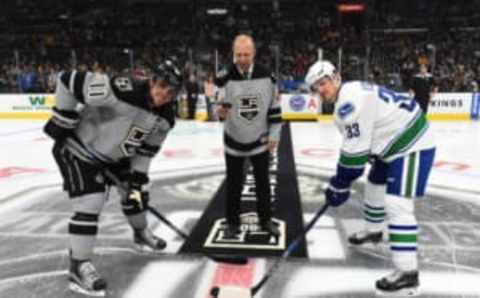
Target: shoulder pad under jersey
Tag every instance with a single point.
(97, 89)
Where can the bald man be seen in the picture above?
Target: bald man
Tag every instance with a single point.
(252, 127)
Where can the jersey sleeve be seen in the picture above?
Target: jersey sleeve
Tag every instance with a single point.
(68, 96)
(355, 117)
(221, 81)
(77, 87)
(97, 90)
(274, 115)
(220, 96)
(69, 90)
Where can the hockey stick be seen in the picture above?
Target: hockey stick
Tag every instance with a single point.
(237, 260)
(247, 293)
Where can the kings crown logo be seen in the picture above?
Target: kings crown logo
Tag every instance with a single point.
(249, 107)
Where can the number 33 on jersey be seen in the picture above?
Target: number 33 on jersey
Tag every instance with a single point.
(376, 121)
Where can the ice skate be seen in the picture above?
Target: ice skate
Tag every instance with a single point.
(363, 237)
(399, 284)
(85, 279)
(146, 242)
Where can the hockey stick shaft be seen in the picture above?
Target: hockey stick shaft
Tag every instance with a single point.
(238, 260)
(166, 221)
(291, 247)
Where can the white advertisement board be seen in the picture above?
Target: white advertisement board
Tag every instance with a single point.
(299, 106)
(26, 106)
(443, 106)
(451, 103)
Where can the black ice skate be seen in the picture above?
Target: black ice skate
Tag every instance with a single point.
(146, 242)
(363, 237)
(85, 279)
(399, 284)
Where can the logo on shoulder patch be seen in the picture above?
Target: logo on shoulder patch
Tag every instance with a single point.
(345, 110)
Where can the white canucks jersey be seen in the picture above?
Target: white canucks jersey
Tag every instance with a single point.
(375, 121)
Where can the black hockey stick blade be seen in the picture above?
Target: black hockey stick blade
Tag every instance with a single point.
(228, 259)
(230, 291)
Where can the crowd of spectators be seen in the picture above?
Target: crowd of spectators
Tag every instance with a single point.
(384, 45)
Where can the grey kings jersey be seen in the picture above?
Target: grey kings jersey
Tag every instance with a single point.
(255, 115)
(116, 119)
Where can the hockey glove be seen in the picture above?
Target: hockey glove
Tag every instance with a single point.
(137, 196)
(61, 124)
(337, 192)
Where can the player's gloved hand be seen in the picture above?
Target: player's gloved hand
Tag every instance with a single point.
(61, 124)
(137, 195)
(337, 192)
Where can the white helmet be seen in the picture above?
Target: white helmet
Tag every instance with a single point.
(319, 70)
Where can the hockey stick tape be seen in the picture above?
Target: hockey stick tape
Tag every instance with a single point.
(231, 292)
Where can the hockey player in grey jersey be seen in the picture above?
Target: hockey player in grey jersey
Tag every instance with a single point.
(115, 123)
(252, 129)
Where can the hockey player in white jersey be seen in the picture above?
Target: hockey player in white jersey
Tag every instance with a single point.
(120, 126)
(391, 132)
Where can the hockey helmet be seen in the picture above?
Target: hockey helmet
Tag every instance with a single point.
(169, 73)
(319, 70)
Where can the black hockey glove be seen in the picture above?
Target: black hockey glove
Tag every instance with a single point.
(337, 192)
(61, 124)
(137, 196)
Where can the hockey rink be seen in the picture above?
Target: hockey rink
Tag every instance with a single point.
(34, 214)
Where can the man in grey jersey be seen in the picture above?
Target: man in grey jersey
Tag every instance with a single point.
(252, 130)
(116, 123)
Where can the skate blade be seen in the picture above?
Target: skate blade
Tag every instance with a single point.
(147, 250)
(76, 288)
(408, 292)
(367, 245)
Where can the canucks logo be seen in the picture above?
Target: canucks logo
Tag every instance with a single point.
(345, 110)
(249, 107)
